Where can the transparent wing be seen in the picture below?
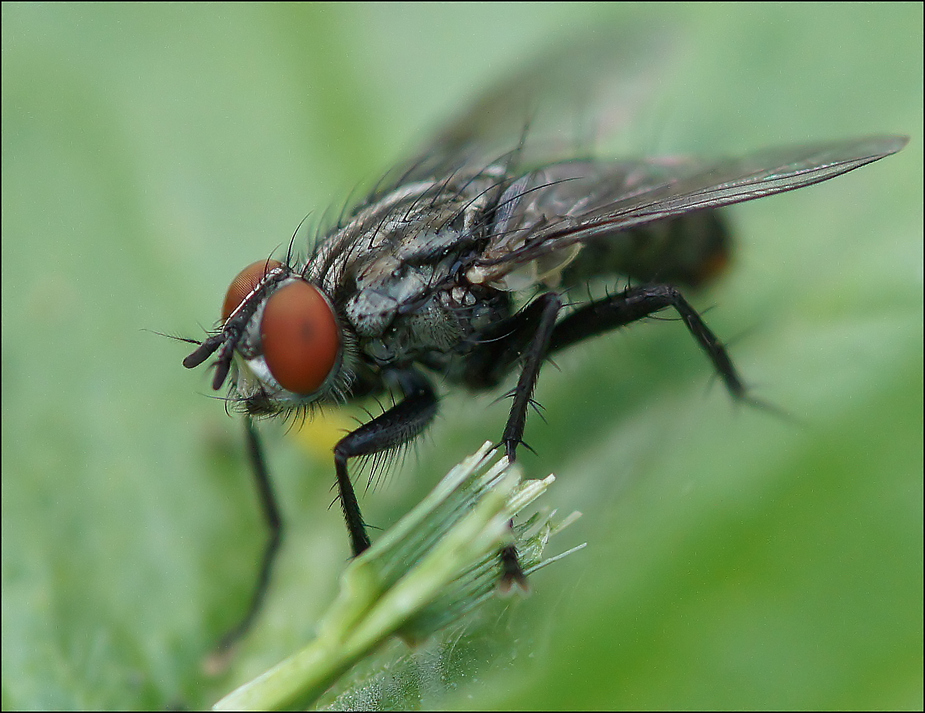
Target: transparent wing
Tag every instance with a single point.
(565, 99)
(569, 203)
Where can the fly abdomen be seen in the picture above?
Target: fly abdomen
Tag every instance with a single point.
(688, 251)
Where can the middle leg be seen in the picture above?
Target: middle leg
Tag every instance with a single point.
(526, 338)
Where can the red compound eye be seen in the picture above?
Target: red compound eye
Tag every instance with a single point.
(301, 339)
(244, 283)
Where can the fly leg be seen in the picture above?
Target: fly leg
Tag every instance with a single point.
(637, 303)
(393, 428)
(501, 345)
(548, 307)
(525, 337)
(275, 526)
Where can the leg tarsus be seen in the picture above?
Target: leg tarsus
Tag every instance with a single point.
(512, 574)
(356, 528)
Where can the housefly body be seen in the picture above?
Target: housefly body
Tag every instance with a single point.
(464, 268)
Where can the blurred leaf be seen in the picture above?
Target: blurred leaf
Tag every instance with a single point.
(734, 560)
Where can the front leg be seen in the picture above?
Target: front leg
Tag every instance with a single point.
(392, 429)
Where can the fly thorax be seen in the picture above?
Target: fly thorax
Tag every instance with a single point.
(429, 327)
(386, 288)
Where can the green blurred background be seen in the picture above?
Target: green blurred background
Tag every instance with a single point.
(735, 559)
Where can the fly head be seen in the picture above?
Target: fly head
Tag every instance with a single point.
(280, 341)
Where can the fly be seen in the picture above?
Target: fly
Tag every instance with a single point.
(460, 268)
